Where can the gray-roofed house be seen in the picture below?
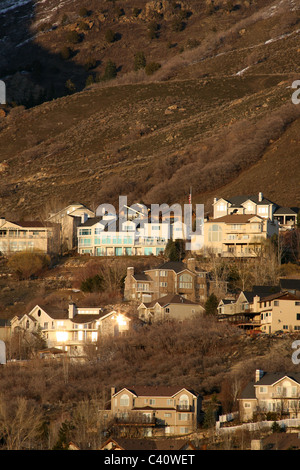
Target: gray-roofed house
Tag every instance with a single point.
(172, 277)
(256, 204)
(276, 392)
(291, 285)
(72, 328)
(169, 307)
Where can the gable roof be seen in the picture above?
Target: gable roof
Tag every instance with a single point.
(176, 266)
(239, 200)
(169, 299)
(236, 218)
(155, 391)
(290, 284)
(268, 378)
(280, 295)
(285, 211)
(148, 444)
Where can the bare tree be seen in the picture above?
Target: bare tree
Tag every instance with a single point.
(20, 424)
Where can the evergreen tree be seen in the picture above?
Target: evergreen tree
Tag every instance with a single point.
(110, 70)
(211, 305)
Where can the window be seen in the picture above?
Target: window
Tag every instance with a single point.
(162, 273)
(85, 231)
(184, 430)
(183, 417)
(152, 401)
(247, 405)
(163, 284)
(168, 415)
(215, 233)
(124, 400)
(184, 402)
(262, 389)
(185, 281)
(298, 316)
(276, 303)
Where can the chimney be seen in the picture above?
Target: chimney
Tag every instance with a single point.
(191, 264)
(72, 310)
(112, 391)
(260, 197)
(258, 375)
(130, 271)
(84, 217)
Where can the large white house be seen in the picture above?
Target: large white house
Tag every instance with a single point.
(71, 329)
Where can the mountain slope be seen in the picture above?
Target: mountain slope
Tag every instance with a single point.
(217, 115)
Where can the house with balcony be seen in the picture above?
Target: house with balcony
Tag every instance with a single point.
(238, 235)
(100, 236)
(73, 328)
(34, 236)
(156, 411)
(271, 392)
(244, 309)
(280, 312)
(256, 204)
(169, 278)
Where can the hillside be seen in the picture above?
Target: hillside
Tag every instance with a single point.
(216, 115)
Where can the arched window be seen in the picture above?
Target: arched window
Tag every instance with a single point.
(215, 233)
(183, 402)
(185, 281)
(124, 400)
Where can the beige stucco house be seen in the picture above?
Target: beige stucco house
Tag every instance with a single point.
(35, 236)
(271, 393)
(156, 410)
(169, 307)
(73, 328)
(237, 235)
(280, 312)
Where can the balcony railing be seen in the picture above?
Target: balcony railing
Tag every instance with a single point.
(135, 420)
(184, 408)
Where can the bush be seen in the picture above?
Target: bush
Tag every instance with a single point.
(89, 81)
(65, 53)
(70, 86)
(110, 36)
(177, 25)
(92, 284)
(73, 37)
(110, 70)
(139, 61)
(152, 67)
(90, 63)
(83, 12)
(153, 29)
(26, 264)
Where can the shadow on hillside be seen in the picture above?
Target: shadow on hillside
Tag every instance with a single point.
(33, 74)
